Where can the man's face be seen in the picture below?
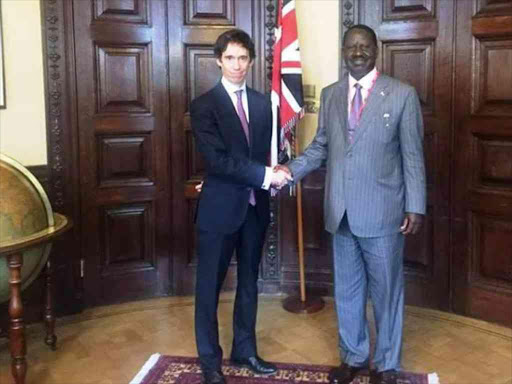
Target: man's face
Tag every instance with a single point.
(235, 63)
(360, 53)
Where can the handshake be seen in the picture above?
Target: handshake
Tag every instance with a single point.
(281, 176)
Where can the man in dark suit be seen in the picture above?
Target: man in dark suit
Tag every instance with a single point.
(370, 132)
(232, 126)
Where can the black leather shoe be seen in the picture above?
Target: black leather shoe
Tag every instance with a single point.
(344, 374)
(255, 364)
(384, 377)
(213, 377)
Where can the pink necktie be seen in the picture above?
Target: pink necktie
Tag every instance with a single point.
(245, 125)
(355, 112)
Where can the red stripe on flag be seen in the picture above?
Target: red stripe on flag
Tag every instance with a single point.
(287, 116)
(291, 64)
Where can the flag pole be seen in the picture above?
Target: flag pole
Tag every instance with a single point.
(300, 236)
(306, 304)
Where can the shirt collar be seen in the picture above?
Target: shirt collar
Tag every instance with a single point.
(366, 81)
(230, 87)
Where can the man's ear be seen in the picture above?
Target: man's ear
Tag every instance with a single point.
(219, 63)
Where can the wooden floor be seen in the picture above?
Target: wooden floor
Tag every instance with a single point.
(108, 345)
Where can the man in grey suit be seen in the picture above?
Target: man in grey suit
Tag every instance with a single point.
(370, 132)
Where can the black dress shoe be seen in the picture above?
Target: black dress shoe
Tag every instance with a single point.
(255, 364)
(384, 377)
(344, 374)
(213, 377)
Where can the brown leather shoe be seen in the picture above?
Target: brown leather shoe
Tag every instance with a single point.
(344, 374)
(384, 377)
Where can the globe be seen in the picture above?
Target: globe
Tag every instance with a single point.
(25, 211)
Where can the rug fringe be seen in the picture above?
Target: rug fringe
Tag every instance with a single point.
(433, 378)
(145, 369)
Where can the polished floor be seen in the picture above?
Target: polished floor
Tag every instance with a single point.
(108, 345)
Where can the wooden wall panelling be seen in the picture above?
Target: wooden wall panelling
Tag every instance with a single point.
(416, 44)
(270, 264)
(124, 11)
(62, 149)
(482, 189)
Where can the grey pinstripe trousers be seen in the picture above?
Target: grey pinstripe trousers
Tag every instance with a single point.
(369, 267)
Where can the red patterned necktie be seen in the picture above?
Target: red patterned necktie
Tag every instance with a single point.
(245, 125)
(355, 111)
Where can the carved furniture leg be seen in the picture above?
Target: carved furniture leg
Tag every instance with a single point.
(49, 317)
(17, 329)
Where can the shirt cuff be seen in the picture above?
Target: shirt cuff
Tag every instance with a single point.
(268, 178)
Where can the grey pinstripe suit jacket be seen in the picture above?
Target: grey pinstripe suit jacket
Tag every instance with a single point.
(381, 175)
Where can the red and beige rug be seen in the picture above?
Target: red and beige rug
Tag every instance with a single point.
(161, 369)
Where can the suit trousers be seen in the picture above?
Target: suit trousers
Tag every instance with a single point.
(369, 267)
(214, 255)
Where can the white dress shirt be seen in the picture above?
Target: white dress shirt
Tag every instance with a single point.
(231, 89)
(366, 83)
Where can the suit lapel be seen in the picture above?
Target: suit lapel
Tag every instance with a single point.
(372, 104)
(342, 94)
(227, 109)
(253, 112)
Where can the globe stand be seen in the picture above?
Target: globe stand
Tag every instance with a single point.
(13, 252)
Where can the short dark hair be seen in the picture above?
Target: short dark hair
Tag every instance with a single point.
(236, 36)
(364, 28)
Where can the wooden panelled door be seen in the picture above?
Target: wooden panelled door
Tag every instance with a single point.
(121, 61)
(416, 41)
(482, 176)
(458, 55)
(139, 63)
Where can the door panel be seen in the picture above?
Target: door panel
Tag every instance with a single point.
(121, 57)
(482, 189)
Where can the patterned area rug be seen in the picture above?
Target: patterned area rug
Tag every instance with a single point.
(161, 369)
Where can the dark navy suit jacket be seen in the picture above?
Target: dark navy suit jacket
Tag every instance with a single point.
(232, 166)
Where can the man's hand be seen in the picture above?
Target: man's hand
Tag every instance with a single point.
(412, 223)
(280, 179)
(281, 176)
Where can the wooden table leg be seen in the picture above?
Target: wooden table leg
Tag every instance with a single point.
(17, 343)
(49, 317)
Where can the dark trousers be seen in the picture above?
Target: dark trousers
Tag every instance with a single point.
(214, 255)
